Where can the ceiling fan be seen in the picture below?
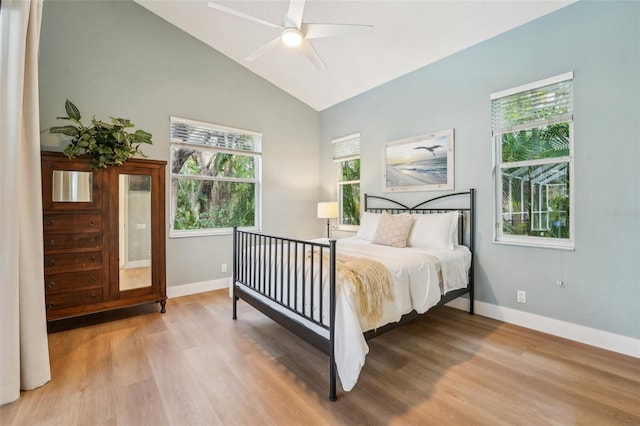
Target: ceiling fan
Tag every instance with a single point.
(296, 33)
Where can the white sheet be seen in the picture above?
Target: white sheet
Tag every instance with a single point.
(414, 273)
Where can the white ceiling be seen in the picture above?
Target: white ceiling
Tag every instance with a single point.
(407, 35)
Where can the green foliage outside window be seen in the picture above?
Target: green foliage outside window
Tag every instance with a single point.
(349, 185)
(537, 143)
(213, 189)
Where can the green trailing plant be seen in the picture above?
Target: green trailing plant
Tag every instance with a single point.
(106, 144)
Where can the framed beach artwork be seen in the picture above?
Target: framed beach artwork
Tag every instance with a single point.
(420, 163)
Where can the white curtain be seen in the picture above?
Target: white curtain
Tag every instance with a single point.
(24, 351)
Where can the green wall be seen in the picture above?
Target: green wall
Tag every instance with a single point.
(600, 43)
(115, 58)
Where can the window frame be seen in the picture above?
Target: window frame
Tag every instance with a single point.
(499, 237)
(340, 159)
(256, 153)
(341, 184)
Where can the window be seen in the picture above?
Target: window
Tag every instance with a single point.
(532, 130)
(346, 154)
(215, 178)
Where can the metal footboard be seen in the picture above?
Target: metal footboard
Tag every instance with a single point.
(290, 281)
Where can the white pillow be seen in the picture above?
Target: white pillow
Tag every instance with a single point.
(368, 225)
(393, 230)
(437, 230)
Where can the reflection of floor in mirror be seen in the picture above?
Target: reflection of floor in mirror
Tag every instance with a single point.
(135, 278)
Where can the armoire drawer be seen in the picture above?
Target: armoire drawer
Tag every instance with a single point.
(56, 283)
(73, 241)
(72, 262)
(73, 298)
(71, 222)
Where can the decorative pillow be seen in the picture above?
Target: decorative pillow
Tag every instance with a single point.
(368, 226)
(393, 230)
(437, 230)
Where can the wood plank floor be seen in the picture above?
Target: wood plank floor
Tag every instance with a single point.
(196, 366)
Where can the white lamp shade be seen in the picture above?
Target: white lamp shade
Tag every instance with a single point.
(327, 210)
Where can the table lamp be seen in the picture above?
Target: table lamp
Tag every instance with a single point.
(328, 210)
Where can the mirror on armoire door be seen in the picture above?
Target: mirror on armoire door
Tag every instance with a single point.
(134, 231)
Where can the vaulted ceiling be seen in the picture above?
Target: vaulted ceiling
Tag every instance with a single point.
(407, 35)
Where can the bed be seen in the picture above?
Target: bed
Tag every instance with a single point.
(337, 294)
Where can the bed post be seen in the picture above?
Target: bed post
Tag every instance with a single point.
(233, 274)
(472, 230)
(332, 320)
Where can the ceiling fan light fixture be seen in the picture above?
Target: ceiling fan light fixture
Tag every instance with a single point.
(291, 37)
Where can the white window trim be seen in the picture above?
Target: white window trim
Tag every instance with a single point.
(257, 153)
(341, 226)
(523, 240)
(338, 160)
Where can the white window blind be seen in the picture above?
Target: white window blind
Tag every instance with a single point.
(346, 148)
(207, 135)
(542, 103)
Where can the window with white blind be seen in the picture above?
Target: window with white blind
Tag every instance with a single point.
(532, 127)
(346, 155)
(215, 178)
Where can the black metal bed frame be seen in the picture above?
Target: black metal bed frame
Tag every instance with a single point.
(268, 265)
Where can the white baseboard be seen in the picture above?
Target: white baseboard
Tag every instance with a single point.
(590, 336)
(194, 288)
(579, 333)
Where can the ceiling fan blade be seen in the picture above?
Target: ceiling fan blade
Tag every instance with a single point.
(273, 43)
(296, 9)
(312, 55)
(335, 30)
(225, 9)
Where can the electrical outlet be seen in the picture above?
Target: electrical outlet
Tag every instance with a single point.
(224, 267)
(522, 296)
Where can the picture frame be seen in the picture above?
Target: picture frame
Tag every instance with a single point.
(419, 163)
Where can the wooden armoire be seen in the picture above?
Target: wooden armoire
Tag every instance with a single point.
(104, 235)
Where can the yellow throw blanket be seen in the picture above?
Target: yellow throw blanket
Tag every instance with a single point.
(369, 280)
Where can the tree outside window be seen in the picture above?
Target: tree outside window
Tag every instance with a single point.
(349, 191)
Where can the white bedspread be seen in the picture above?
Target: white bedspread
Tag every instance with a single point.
(414, 273)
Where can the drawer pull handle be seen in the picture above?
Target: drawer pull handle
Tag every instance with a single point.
(52, 242)
(92, 258)
(52, 262)
(93, 296)
(92, 279)
(51, 305)
(50, 223)
(52, 284)
(92, 223)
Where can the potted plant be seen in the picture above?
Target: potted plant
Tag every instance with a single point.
(106, 144)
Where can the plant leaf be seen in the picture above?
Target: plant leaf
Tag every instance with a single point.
(64, 130)
(72, 110)
(143, 137)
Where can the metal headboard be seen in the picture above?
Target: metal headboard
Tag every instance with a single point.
(395, 207)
